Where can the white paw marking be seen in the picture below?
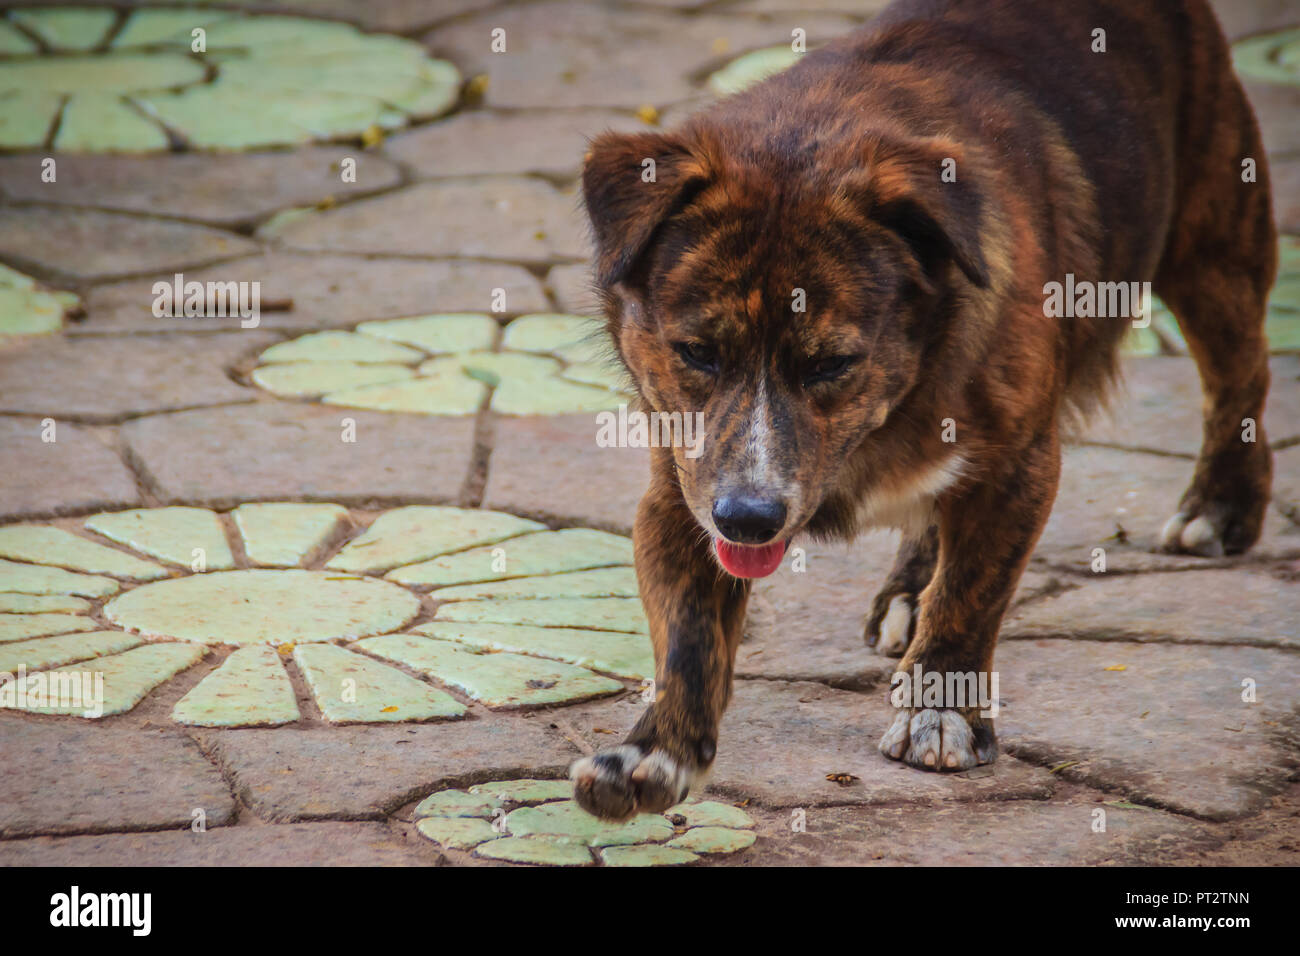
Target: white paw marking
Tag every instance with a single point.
(587, 769)
(1197, 536)
(936, 739)
(895, 627)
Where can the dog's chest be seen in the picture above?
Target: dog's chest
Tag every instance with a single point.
(909, 504)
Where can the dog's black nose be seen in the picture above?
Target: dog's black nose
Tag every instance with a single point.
(748, 520)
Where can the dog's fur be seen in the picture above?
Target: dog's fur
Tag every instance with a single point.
(1116, 166)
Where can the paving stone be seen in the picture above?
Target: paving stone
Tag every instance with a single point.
(336, 347)
(314, 379)
(1285, 177)
(298, 845)
(453, 332)
(710, 813)
(72, 29)
(263, 607)
(231, 189)
(20, 627)
(606, 614)
(1274, 104)
(36, 579)
(40, 544)
(456, 803)
(525, 850)
(351, 689)
(752, 68)
(226, 456)
(648, 855)
(481, 144)
(85, 244)
(566, 822)
(416, 533)
(538, 461)
(1170, 729)
(112, 380)
(491, 218)
(526, 791)
(27, 308)
(1244, 19)
(72, 474)
(369, 771)
(249, 689)
(16, 603)
(569, 54)
(573, 288)
(459, 833)
(498, 680)
(285, 534)
(104, 778)
(179, 535)
(543, 552)
(606, 582)
(65, 649)
(127, 678)
(446, 394)
(624, 655)
(1103, 489)
(1158, 408)
(712, 840)
(1211, 607)
(325, 290)
(1014, 833)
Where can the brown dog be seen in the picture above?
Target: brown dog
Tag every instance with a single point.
(845, 269)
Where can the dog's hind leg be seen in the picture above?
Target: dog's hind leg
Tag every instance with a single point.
(1217, 268)
(892, 620)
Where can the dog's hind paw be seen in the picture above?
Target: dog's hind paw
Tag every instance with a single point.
(615, 784)
(939, 740)
(890, 628)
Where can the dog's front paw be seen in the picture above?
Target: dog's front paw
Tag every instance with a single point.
(615, 784)
(1213, 529)
(891, 624)
(939, 739)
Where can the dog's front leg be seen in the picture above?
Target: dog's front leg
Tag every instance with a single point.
(943, 687)
(696, 614)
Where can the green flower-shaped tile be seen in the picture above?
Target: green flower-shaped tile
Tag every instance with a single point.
(25, 307)
(745, 71)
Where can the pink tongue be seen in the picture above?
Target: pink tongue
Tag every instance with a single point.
(744, 561)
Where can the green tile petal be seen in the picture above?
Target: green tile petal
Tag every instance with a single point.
(444, 395)
(711, 814)
(443, 332)
(546, 552)
(457, 803)
(526, 791)
(249, 689)
(458, 833)
(26, 116)
(14, 603)
(646, 855)
(103, 122)
(604, 582)
(496, 680)
(566, 822)
(283, 534)
(607, 614)
(624, 655)
(420, 532)
(745, 71)
(18, 627)
(42, 544)
(14, 41)
(119, 73)
(598, 375)
(554, 396)
(713, 840)
(34, 579)
(170, 27)
(547, 852)
(314, 379)
(495, 367)
(351, 689)
(340, 347)
(71, 28)
(64, 649)
(127, 677)
(550, 332)
(263, 607)
(171, 534)
(27, 309)
(1263, 57)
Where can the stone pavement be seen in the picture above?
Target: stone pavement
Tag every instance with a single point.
(356, 579)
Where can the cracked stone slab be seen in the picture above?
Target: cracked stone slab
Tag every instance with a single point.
(85, 244)
(351, 689)
(326, 291)
(41, 544)
(178, 535)
(295, 844)
(496, 217)
(1103, 489)
(482, 144)
(231, 189)
(227, 456)
(101, 381)
(141, 779)
(1211, 607)
(284, 534)
(1162, 724)
(1158, 406)
(369, 771)
(64, 649)
(73, 474)
(535, 458)
(249, 689)
(419, 532)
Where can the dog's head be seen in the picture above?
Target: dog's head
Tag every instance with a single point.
(787, 293)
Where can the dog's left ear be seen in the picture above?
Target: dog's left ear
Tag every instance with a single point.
(631, 183)
(923, 190)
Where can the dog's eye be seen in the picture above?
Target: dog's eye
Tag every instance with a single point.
(823, 370)
(702, 358)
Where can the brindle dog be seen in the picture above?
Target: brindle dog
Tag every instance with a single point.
(919, 183)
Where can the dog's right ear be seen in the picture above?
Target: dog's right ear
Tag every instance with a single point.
(632, 183)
